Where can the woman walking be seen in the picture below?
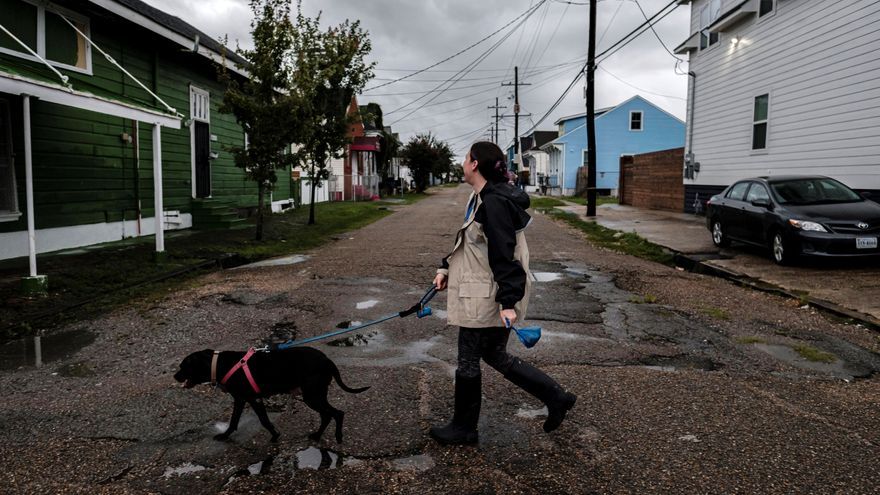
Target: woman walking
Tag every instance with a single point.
(488, 281)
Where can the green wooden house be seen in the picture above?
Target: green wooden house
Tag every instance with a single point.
(108, 114)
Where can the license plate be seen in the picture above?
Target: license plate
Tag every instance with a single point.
(866, 242)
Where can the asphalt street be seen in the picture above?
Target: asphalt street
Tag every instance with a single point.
(686, 383)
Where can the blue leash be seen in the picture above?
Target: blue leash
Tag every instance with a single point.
(421, 310)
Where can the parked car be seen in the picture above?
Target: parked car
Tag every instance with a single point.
(795, 216)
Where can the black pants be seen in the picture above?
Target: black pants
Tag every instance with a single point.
(488, 344)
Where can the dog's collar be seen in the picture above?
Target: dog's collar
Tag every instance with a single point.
(214, 368)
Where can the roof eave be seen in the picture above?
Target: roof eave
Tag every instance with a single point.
(151, 25)
(53, 93)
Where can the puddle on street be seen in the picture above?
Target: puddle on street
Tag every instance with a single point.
(257, 467)
(788, 355)
(36, 351)
(315, 458)
(679, 362)
(419, 463)
(286, 260)
(659, 368)
(546, 276)
(184, 469)
(524, 412)
(309, 458)
(367, 304)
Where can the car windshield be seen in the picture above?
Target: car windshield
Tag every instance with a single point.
(813, 191)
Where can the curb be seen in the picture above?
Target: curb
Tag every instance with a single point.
(698, 266)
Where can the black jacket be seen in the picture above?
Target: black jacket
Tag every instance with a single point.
(502, 214)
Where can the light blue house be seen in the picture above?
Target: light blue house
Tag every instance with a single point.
(632, 127)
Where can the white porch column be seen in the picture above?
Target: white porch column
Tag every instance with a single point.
(157, 188)
(29, 184)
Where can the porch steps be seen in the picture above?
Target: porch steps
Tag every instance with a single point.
(215, 214)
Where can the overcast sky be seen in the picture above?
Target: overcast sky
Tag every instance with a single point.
(411, 35)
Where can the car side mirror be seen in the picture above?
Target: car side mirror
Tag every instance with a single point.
(865, 195)
(763, 203)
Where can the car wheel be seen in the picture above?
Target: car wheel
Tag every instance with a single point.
(780, 250)
(719, 238)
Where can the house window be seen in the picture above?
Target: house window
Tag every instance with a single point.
(766, 7)
(760, 121)
(708, 15)
(199, 104)
(635, 121)
(8, 194)
(43, 29)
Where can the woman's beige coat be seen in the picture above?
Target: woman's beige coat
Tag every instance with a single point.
(472, 288)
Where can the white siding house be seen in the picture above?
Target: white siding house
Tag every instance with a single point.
(782, 87)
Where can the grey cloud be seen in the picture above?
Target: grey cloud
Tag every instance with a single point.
(416, 34)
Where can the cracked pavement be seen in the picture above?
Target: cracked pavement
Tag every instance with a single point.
(686, 383)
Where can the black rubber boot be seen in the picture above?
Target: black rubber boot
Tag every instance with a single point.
(463, 427)
(545, 389)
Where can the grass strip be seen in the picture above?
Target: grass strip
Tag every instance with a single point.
(622, 242)
(104, 277)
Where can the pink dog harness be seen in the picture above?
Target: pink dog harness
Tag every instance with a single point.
(241, 364)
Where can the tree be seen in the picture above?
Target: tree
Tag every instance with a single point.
(425, 155)
(265, 105)
(331, 64)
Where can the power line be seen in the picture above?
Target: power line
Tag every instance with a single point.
(473, 64)
(536, 37)
(608, 52)
(657, 35)
(638, 88)
(550, 77)
(458, 75)
(502, 28)
(553, 35)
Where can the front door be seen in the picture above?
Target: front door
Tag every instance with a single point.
(202, 151)
(200, 140)
(8, 200)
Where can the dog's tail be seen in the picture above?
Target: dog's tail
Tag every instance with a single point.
(342, 385)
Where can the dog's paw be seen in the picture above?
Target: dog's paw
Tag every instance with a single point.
(315, 437)
(221, 437)
(339, 438)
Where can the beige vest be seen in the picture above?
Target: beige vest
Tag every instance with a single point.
(472, 288)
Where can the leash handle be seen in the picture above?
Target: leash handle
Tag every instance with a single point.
(420, 308)
(428, 295)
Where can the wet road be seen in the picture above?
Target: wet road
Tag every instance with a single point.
(686, 384)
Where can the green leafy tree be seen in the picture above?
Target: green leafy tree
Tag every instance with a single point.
(266, 106)
(332, 65)
(425, 155)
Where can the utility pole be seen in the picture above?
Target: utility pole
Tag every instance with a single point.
(591, 117)
(497, 117)
(516, 84)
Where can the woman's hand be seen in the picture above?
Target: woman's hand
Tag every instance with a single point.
(440, 282)
(508, 315)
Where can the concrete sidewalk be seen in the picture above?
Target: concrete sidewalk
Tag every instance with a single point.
(851, 287)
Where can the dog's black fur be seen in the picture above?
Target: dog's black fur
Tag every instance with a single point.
(275, 372)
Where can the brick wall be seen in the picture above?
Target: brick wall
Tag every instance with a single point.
(653, 180)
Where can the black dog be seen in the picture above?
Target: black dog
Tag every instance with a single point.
(275, 372)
